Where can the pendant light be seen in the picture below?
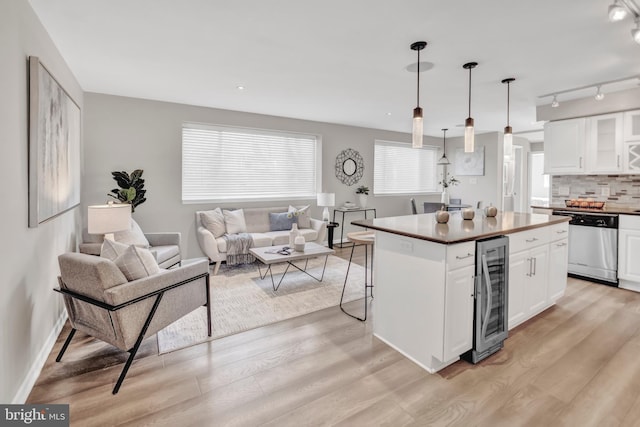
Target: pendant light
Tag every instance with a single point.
(417, 132)
(508, 132)
(443, 160)
(468, 124)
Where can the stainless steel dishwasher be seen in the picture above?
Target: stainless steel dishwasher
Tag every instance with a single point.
(593, 246)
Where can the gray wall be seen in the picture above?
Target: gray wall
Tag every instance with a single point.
(615, 101)
(127, 133)
(29, 308)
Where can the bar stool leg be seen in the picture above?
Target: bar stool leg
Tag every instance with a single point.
(366, 285)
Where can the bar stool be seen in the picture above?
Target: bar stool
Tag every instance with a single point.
(366, 239)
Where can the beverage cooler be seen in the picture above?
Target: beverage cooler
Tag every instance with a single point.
(490, 327)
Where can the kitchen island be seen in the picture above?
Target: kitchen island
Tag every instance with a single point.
(424, 278)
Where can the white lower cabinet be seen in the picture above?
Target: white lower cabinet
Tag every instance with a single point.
(558, 261)
(628, 250)
(537, 273)
(458, 312)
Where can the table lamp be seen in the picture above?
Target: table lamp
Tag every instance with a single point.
(326, 200)
(107, 219)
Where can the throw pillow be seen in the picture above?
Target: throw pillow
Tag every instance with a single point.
(304, 218)
(214, 222)
(111, 249)
(234, 221)
(132, 236)
(136, 263)
(282, 221)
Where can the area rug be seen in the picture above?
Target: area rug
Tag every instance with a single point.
(240, 300)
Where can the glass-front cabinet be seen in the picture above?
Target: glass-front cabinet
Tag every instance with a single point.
(605, 143)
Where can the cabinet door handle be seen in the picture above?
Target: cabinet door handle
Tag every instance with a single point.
(561, 244)
(535, 265)
(618, 160)
(468, 255)
(561, 231)
(531, 240)
(580, 166)
(529, 273)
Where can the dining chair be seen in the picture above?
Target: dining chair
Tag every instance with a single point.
(453, 201)
(432, 206)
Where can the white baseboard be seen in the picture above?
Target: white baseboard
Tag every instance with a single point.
(32, 376)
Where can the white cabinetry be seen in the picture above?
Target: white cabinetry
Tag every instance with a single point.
(631, 148)
(558, 261)
(604, 144)
(537, 270)
(458, 312)
(628, 250)
(632, 125)
(564, 146)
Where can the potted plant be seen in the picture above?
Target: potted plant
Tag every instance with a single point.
(131, 188)
(447, 181)
(362, 192)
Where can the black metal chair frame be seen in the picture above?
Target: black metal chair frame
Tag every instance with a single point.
(366, 285)
(158, 294)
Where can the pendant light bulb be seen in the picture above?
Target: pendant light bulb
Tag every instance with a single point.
(469, 133)
(418, 124)
(507, 144)
(444, 160)
(555, 103)
(417, 132)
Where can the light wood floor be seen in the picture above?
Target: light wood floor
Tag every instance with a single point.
(577, 364)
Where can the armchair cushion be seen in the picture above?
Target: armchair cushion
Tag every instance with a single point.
(132, 236)
(111, 250)
(136, 263)
(214, 222)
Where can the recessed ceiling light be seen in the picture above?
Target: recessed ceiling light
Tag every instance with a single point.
(240, 87)
(617, 12)
(388, 114)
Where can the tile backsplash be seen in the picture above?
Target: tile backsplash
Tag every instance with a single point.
(624, 190)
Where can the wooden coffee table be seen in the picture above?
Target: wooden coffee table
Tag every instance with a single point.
(269, 255)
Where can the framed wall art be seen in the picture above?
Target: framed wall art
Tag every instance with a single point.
(470, 163)
(54, 146)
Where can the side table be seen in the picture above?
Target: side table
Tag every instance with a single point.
(343, 211)
(330, 227)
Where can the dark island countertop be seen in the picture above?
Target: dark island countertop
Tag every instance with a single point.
(457, 230)
(607, 209)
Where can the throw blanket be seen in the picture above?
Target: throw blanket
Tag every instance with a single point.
(238, 248)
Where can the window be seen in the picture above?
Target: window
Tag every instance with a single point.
(400, 169)
(239, 164)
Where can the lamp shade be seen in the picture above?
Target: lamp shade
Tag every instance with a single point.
(105, 219)
(326, 199)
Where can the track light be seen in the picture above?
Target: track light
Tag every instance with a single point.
(555, 103)
(617, 12)
(599, 95)
(635, 33)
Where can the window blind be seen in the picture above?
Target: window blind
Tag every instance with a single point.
(400, 169)
(226, 163)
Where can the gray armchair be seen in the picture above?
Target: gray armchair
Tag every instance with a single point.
(164, 246)
(102, 303)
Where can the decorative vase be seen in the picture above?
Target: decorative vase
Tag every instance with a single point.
(442, 217)
(293, 234)
(468, 213)
(299, 244)
(363, 200)
(445, 196)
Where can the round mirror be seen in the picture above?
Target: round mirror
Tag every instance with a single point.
(349, 167)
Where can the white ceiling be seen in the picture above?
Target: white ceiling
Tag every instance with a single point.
(343, 61)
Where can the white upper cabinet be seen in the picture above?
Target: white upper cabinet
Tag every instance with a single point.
(632, 126)
(564, 146)
(604, 144)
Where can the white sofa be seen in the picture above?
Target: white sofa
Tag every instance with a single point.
(258, 225)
